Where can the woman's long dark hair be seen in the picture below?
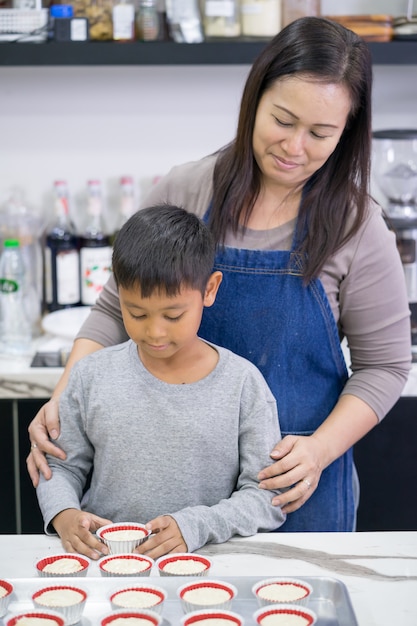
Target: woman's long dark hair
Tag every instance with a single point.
(338, 193)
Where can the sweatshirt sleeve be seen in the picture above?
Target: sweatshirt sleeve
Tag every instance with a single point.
(248, 510)
(65, 488)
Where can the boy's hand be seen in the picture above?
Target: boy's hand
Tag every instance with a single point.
(166, 538)
(76, 530)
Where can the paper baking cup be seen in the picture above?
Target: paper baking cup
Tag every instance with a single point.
(183, 564)
(202, 595)
(55, 618)
(149, 597)
(278, 615)
(149, 618)
(198, 618)
(56, 558)
(282, 590)
(134, 564)
(119, 546)
(6, 590)
(71, 612)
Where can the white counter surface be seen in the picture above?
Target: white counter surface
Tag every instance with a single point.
(379, 569)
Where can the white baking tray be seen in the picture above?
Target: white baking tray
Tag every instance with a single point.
(330, 598)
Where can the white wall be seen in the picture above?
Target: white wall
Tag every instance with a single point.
(78, 123)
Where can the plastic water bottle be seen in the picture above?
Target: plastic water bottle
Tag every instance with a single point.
(15, 324)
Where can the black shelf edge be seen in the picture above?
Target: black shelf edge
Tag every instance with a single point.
(220, 52)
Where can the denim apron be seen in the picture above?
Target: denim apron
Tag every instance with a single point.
(264, 313)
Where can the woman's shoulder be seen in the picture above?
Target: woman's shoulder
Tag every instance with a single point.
(189, 185)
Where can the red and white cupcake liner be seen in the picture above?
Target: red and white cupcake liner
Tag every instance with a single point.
(290, 591)
(6, 596)
(148, 617)
(55, 558)
(277, 615)
(120, 546)
(55, 618)
(198, 618)
(153, 596)
(189, 564)
(71, 612)
(137, 564)
(189, 605)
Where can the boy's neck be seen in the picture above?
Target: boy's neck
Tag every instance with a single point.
(185, 367)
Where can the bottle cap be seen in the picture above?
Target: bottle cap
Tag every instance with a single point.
(61, 10)
(11, 243)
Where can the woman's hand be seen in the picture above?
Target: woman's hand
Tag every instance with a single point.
(76, 530)
(297, 470)
(166, 538)
(46, 422)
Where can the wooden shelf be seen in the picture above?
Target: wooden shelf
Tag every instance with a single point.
(220, 52)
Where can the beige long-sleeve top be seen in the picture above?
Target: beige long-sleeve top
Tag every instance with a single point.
(364, 283)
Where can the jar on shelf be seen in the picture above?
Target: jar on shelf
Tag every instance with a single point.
(221, 18)
(293, 9)
(147, 21)
(261, 18)
(100, 17)
(123, 20)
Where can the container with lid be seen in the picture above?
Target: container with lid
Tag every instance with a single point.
(221, 18)
(294, 9)
(260, 18)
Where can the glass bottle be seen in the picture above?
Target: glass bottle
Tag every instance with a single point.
(127, 202)
(62, 256)
(148, 21)
(95, 248)
(15, 324)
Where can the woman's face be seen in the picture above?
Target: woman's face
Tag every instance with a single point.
(298, 124)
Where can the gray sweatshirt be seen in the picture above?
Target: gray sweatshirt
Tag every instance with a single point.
(192, 451)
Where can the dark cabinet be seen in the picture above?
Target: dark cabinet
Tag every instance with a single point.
(386, 460)
(8, 488)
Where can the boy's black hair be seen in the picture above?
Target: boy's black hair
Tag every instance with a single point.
(163, 248)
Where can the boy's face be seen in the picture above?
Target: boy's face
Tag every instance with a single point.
(161, 325)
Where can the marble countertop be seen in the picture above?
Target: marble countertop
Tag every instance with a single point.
(379, 569)
(19, 380)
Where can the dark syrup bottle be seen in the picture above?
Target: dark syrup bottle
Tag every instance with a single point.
(62, 257)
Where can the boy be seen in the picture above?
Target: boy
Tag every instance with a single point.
(175, 429)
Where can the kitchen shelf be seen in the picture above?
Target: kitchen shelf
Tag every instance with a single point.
(216, 52)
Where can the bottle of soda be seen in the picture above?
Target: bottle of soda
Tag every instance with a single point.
(95, 250)
(62, 256)
(15, 322)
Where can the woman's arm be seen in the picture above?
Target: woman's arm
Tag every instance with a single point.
(46, 422)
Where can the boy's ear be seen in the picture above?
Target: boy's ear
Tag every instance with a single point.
(212, 287)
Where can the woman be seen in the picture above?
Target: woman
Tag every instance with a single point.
(306, 259)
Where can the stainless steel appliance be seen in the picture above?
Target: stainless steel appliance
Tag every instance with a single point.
(395, 171)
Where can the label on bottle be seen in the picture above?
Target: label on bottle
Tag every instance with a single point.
(95, 272)
(8, 286)
(67, 274)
